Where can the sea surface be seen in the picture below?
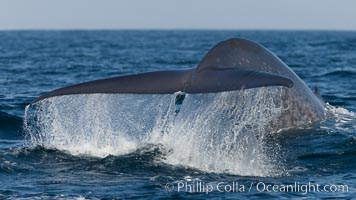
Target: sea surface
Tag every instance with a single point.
(96, 146)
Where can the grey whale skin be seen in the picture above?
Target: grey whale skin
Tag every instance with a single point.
(232, 64)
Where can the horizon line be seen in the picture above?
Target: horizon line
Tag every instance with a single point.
(175, 29)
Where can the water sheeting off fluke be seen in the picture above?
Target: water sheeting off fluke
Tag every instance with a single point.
(216, 132)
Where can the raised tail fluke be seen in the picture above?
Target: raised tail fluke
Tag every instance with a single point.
(168, 82)
(220, 70)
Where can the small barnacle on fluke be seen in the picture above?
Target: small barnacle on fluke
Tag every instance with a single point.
(180, 96)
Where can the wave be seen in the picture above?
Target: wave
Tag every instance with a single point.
(10, 126)
(343, 120)
(8, 120)
(339, 73)
(30, 160)
(222, 133)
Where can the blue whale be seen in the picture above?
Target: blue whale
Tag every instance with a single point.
(233, 64)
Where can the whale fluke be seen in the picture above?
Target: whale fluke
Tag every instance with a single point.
(215, 73)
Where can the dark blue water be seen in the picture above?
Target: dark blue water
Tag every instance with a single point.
(34, 62)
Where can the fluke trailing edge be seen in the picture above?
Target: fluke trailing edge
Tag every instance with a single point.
(233, 64)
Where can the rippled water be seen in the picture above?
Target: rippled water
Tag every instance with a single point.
(135, 146)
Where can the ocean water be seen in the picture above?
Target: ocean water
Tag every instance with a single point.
(135, 146)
